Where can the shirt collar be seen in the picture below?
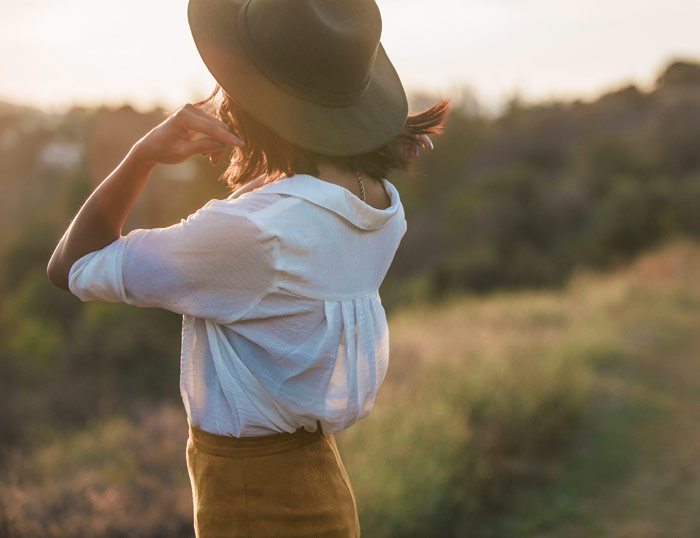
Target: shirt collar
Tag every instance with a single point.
(332, 197)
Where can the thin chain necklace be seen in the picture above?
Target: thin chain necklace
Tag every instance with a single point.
(362, 187)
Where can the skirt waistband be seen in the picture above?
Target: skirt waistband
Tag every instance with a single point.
(250, 447)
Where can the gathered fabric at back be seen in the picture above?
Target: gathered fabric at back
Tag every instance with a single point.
(278, 286)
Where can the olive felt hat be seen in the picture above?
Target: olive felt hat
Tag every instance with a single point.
(313, 71)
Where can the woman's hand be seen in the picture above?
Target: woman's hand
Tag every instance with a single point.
(411, 147)
(175, 139)
(425, 142)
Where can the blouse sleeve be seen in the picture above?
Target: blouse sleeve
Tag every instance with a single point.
(216, 264)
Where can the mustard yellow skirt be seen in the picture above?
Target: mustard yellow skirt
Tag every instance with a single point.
(282, 485)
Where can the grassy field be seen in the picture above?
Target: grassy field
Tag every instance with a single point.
(553, 414)
(541, 413)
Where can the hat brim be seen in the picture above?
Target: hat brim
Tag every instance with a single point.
(375, 119)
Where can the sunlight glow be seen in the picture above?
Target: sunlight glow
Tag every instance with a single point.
(53, 54)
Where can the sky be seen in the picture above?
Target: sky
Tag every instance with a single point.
(56, 54)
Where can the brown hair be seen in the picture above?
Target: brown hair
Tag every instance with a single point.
(265, 153)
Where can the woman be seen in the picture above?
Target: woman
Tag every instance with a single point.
(284, 339)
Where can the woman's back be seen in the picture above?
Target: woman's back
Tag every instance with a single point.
(283, 324)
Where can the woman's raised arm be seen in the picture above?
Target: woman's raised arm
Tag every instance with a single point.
(99, 221)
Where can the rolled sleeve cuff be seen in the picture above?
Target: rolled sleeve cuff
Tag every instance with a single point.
(97, 276)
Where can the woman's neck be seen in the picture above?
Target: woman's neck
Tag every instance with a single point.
(376, 195)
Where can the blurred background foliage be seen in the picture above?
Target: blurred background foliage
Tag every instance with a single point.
(529, 200)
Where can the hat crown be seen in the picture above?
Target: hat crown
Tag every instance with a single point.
(326, 47)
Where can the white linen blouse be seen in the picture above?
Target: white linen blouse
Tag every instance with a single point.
(278, 288)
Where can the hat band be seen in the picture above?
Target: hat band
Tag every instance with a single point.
(286, 84)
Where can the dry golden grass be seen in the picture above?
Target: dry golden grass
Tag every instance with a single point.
(115, 478)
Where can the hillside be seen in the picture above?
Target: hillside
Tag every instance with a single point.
(558, 413)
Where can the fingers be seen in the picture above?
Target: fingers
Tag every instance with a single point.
(215, 156)
(211, 128)
(410, 147)
(424, 140)
(195, 119)
(205, 145)
(196, 110)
